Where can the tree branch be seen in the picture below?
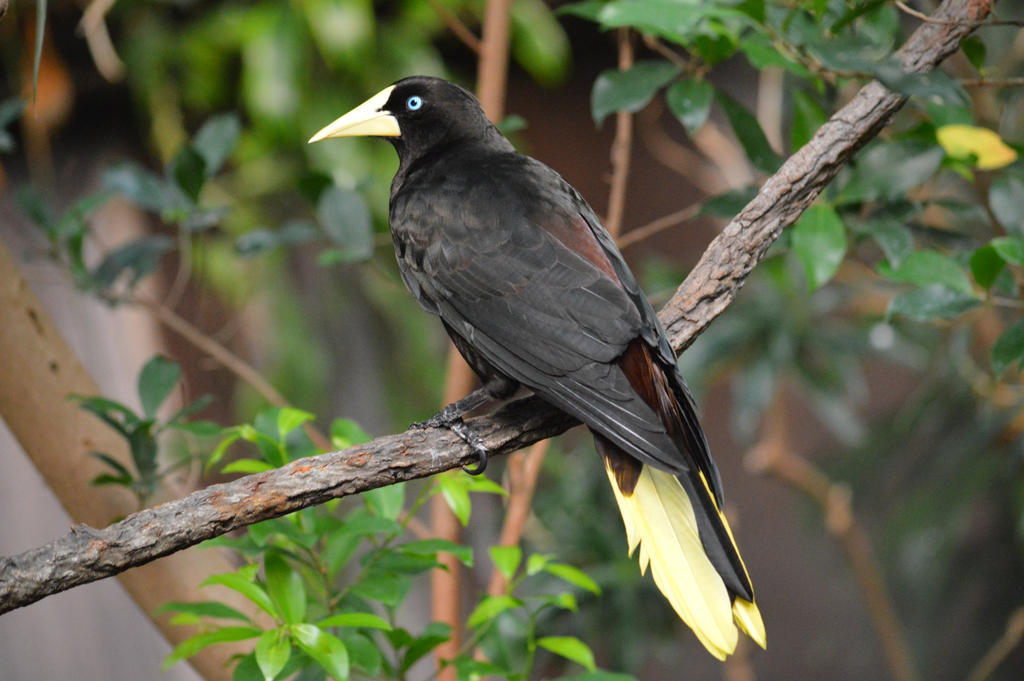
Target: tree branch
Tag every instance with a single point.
(86, 555)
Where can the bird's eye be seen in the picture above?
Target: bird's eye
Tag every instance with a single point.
(414, 103)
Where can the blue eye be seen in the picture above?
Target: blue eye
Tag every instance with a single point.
(414, 103)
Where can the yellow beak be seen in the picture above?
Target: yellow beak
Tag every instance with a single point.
(368, 119)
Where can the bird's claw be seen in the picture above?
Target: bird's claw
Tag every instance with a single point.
(475, 442)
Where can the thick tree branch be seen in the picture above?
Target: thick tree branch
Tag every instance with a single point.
(86, 555)
(729, 259)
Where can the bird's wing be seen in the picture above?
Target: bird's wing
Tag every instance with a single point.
(532, 290)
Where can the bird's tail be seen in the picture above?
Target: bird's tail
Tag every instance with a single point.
(661, 520)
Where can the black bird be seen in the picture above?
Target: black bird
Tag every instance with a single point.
(533, 292)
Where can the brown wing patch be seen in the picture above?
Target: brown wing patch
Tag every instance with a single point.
(575, 234)
(648, 379)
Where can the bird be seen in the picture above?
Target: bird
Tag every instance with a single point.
(533, 292)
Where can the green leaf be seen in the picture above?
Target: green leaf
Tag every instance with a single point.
(10, 109)
(629, 90)
(892, 236)
(326, 649)
(536, 562)
(469, 669)
(570, 648)
(929, 267)
(986, 265)
(215, 140)
(140, 186)
(484, 485)
(574, 576)
(587, 9)
(341, 546)
(1004, 198)
(975, 50)
(191, 646)
(539, 43)
(807, 118)
(489, 608)
(935, 301)
(598, 675)
(346, 432)
(118, 467)
(1010, 249)
(388, 587)
(888, 170)
(386, 502)
(430, 547)
(144, 452)
(106, 410)
(935, 86)
(680, 22)
(819, 240)
(272, 653)
(137, 258)
(188, 170)
(690, 102)
(194, 407)
(241, 581)
(433, 635)
(285, 586)
(750, 135)
(562, 601)
(247, 466)
(363, 652)
(247, 670)
(261, 240)
(355, 619)
(37, 53)
(290, 418)
(456, 495)
(203, 609)
(345, 219)
(33, 204)
(156, 381)
(506, 559)
(761, 52)
(1009, 348)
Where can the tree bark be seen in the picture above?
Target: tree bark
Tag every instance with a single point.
(86, 554)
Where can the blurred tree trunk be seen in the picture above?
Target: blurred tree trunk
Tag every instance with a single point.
(58, 437)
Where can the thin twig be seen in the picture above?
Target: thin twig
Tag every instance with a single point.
(774, 455)
(993, 82)
(653, 227)
(974, 24)
(456, 26)
(622, 146)
(94, 27)
(665, 51)
(1002, 648)
(229, 361)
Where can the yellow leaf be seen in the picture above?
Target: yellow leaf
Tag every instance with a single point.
(964, 141)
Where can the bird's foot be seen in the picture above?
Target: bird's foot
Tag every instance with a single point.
(451, 418)
(442, 419)
(475, 442)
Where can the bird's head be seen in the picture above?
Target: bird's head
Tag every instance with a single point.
(415, 114)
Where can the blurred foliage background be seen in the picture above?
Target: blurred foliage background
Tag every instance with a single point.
(862, 395)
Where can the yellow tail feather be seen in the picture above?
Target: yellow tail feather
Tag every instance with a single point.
(659, 518)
